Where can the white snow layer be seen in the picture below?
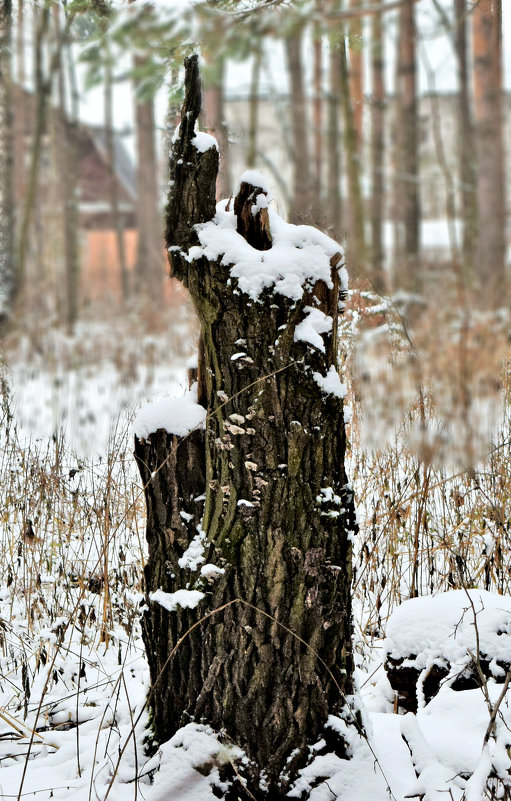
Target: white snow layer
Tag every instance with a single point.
(195, 554)
(189, 765)
(203, 141)
(310, 329)
(330, 383)
(300, 255)
(188, 599)
(176, 416)
(255, 178)
(444, 626)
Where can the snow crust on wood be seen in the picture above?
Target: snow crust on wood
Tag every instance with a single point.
(211, 571)
(443, 627)
(300, 254)
(203, 141)
(176, 416)
(190, 763)
(310, 329)
(330, 383)
(188, 599)
(254, 178)
(195, 554)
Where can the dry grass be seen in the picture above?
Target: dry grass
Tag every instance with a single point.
(430, 460)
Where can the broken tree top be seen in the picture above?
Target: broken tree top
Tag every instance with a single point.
(299, 255)
(263, 251)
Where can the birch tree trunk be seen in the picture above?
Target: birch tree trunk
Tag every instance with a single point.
(263, 488)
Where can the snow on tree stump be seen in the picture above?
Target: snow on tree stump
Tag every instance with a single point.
(250, 515)
(455, 638)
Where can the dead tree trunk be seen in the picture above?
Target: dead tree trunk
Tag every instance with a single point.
(254, 511)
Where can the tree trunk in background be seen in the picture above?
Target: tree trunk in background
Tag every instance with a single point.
(356, 250)
(42, 92)
(318, 114)
(302, 210)
(20, 117)
(356, 72)
(114, 190)
(214, 116)
(67, 164)
(8, 277)
(273, 447)
(150, 249)
(254, 103)
(467, 155)
(377, 152)
(491, 241)
(407, 195)
(334, 211)
(149, 267)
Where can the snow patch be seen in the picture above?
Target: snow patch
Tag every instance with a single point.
(300, 254)
(203, 141)
(443, 626)
(187, 599)
(311, 328)
(176, 416)
(254, 178)
(331, 384)
(195, 554)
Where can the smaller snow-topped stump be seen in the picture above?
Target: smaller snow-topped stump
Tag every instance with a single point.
(447, 638)
(259, 646)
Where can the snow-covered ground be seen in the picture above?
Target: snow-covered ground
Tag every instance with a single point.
(73, 675)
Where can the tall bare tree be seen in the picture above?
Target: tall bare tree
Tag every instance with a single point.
(406, 188)
(356, 63)
(467, 155)
(150, 251)
(491, 241)
(355, 206)
(8, 278)
(302, 210)
(334, 203)
(377, 151)
(67, 159)
(114, 186)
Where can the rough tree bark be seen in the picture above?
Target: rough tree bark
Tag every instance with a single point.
(266, 485)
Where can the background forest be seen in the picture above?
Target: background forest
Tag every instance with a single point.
(385, 125)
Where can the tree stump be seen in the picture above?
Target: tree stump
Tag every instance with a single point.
(254, 510)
